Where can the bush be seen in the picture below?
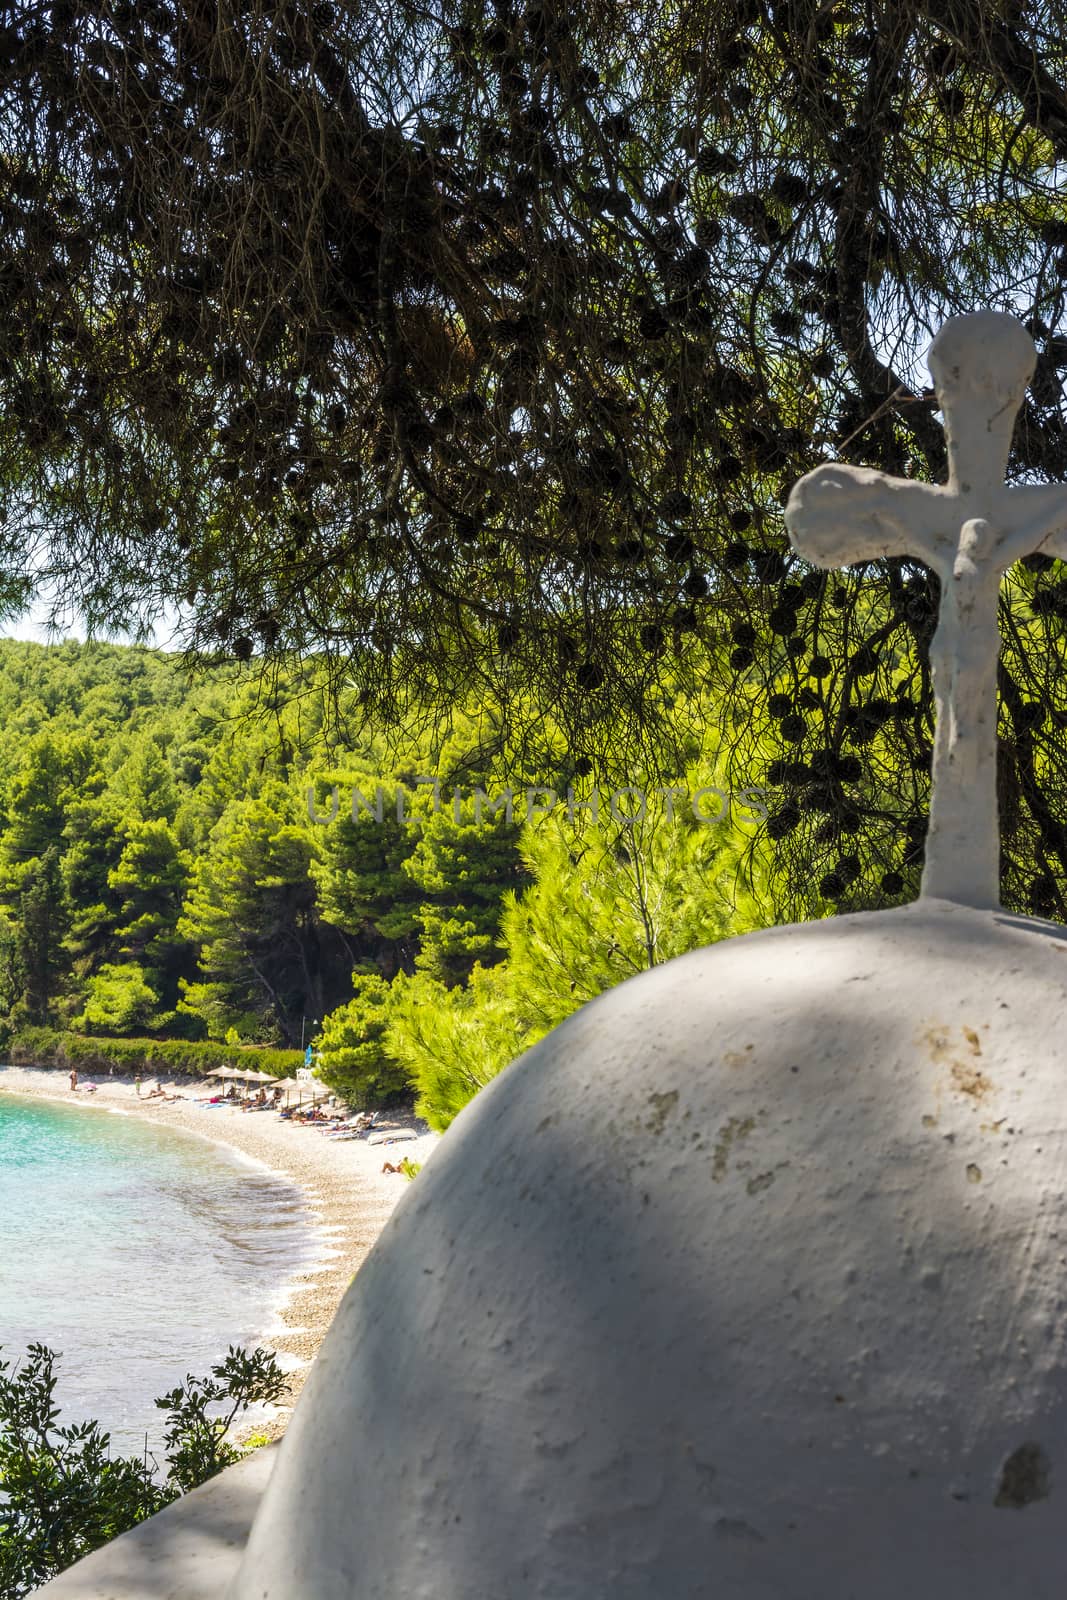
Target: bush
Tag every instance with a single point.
(354, 1058)
(62, 1493)
(197, 1443)
(53, 1047)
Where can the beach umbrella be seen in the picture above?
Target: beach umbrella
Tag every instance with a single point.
(288, 1084)
(314, 1091)
(256, 1077)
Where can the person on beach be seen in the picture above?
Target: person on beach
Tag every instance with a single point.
(137, 1085)
(73, 1078)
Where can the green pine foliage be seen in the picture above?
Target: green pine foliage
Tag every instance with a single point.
(452, 1042)
(464, 871)
(358, 868)
(355, 1060)
(119, 999)
(192, 865)
(250, 911)
(614, 899)
(607, 898)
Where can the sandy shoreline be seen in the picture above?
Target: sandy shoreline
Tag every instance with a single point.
(349, 1197)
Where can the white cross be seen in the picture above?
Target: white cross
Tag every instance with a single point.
(969, 531)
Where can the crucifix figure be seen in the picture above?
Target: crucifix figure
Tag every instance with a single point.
(969, 531)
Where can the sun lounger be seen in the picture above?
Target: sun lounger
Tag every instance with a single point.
(357, 1127)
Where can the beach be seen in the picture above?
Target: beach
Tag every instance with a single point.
(349, 1196)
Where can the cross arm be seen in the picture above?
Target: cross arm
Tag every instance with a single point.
(839, 515)
(1037, 520)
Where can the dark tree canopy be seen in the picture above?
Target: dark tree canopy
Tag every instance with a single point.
(480, 342)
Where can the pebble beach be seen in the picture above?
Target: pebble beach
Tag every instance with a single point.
(349, 1195)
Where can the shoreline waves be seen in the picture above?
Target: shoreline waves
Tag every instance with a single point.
(348, 1196)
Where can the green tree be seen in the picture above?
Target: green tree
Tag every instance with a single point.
(42, 924)
(524, 418)
(464, 871)
(201, 1413)
(359, 870)
(12, 977)
(62, 1493)
(608, 898)
(282, 909)
(118, 1000)
(452, 1042)
(93, 844)
(251, 910)
(151, 876)
(355, 1060)
(611, 899)
(143, 786)
(57, 769)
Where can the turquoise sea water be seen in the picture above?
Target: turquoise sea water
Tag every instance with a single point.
(138, 1252)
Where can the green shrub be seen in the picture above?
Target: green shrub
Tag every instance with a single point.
(63, 1494)
(354, 1059)
(52, 1047)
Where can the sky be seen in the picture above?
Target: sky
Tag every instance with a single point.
(32, 625)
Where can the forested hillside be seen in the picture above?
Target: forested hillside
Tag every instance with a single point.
(214, 858)
(504, 377)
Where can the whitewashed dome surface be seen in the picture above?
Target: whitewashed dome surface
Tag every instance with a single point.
(747, 1282)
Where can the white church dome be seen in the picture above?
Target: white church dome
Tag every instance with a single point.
(747, 1282)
